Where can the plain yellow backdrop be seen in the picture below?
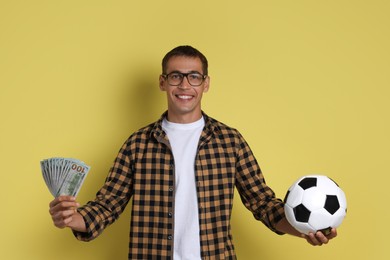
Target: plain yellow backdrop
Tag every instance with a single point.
(306, 82)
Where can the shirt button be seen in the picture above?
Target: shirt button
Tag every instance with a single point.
(170, 214)
(170, 188)
(171, 166)
(169, 237)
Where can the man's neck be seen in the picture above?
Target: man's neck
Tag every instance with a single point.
(184, 118)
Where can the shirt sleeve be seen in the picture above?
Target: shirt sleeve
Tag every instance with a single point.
(110, 200)
(255, 194)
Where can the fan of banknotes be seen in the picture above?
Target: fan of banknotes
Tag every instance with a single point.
(64, 176)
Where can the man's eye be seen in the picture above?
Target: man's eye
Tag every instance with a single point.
(195, 76)
(175, 76)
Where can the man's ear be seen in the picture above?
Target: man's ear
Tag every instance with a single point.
(161, 81)
(206, 84)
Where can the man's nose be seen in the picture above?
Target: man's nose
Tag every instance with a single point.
(185, 84)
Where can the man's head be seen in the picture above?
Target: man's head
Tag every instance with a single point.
(184, 80)
(185, 51)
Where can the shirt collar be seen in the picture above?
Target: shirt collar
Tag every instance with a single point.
(209, 129)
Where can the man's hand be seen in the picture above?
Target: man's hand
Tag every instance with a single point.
(64, 214)
(319, 238)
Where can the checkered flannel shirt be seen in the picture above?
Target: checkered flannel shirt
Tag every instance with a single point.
(144, 171)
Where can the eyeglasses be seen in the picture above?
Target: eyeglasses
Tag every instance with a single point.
(176, 78)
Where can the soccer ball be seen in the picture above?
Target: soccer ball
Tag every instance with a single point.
(315, 203)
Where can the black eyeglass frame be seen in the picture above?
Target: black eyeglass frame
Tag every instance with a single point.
(186, 76)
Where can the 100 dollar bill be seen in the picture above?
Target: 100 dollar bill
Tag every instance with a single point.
(73, 180)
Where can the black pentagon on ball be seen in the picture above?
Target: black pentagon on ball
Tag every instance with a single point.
(301, 213)
(308, 182)
(332, 204)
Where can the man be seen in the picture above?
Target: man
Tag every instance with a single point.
(181, 172)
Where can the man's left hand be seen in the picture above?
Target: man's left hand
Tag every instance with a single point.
(319, 238)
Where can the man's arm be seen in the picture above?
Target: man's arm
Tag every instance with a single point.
(316, 239)
(64, 214)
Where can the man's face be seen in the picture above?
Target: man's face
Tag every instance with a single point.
(184, 100)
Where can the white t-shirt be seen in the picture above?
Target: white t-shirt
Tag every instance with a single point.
(184, 139)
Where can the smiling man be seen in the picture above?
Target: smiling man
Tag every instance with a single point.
(181, 172)
(184, 82)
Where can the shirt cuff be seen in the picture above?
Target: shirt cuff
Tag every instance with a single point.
(88, 235)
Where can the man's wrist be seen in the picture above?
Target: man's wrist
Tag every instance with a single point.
(78, 223)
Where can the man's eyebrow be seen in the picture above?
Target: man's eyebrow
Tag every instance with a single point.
(178, 71)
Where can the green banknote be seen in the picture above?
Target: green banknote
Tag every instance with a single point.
(64, 176)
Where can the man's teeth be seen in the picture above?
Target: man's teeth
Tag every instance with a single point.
(184, 97)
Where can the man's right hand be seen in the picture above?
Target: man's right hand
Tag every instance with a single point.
(64, 214)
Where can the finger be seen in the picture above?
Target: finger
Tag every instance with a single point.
(63, 214)
(63, 218)
(62, 206)
(312, 239)
(332, 234)
(321, 238)
(62, 223)
(308, 239)
(60, 199)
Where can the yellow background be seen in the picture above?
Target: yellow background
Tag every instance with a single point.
(306, 82)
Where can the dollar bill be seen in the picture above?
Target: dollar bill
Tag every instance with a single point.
(64, 176)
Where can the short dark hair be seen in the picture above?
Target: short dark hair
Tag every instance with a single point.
(186, 51)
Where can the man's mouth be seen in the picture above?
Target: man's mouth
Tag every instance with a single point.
(186, 97)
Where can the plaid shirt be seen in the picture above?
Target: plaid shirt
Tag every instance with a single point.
(144, 171)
